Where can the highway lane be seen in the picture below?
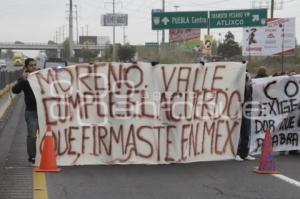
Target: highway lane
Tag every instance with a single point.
(208, 180)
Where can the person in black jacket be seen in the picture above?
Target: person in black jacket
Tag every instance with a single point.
(245, 133)
(261, 72)
(31, 109)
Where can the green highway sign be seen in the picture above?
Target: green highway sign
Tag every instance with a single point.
(176, 20)
(151, 44)
(238, 18)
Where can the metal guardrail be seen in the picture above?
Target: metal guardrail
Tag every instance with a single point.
(7, 77)
(29, 46)
(33, 46)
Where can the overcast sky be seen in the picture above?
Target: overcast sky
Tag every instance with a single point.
(38, 20)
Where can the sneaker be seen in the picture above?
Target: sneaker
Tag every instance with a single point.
(31, 160)
(238, 158)
(249, 157)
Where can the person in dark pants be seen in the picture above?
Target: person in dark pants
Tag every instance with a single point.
(31, 117)
(243, 147)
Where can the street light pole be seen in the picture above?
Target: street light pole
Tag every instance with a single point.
(272, 9)
(282, 46)
(163, 31)
(71, 28)
(114, 34)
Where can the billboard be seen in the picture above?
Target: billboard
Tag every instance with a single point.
(116, 19)
(176, 35)
(277, 36)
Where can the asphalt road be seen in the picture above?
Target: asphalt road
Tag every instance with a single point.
(204, 180)
(207, 180)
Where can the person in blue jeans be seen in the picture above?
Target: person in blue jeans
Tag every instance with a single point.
(31, 117)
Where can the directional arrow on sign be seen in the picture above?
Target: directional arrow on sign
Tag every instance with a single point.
(165, 20)
(255, 18)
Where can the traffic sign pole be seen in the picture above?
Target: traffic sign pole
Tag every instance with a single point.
(114, 36)
(157, 33)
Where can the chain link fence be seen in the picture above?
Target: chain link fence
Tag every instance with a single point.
(7, 77)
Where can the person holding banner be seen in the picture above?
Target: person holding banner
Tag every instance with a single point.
(31, 108)
(261, 72)
(243, 147)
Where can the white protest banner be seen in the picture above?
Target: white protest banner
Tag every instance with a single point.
(275, 105)
(112, 113)
(277, 36)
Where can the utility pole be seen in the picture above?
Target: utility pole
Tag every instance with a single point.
(163, 31)
(82, 30)
(272, 9)
(59, 35)
(71, 28)
(282, 46)
(63, 32)
(77, 38)
(114, 31)
(124, 35)
(114, 35)
(56, 37)
(87, 29)
(275, 5)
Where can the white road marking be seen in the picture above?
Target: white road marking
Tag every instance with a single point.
(287, 179)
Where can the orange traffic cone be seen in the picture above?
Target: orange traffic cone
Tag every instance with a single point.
(48, 157)
(266, 160)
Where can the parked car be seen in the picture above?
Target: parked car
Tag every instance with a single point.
(55, 63)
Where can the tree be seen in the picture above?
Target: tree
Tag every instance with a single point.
(107, 54)
(229, 47)
(214, 47)
(126, 52)
(66, 49)
(88, 54)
